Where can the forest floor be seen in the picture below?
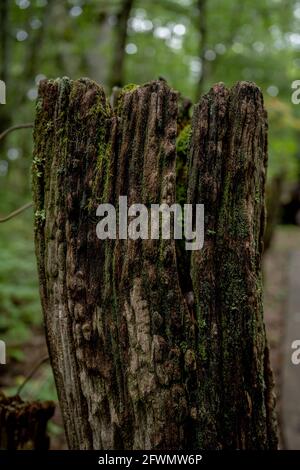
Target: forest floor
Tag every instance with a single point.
(276, 267)
(33, 350)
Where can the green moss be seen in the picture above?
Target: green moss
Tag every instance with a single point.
(182, 149)
(202, 351)
(129, 87)
(183, 140)
(39, 217)
(103, 176)
(37, 166)
(126, 89)
(183, 346)
(39, 105)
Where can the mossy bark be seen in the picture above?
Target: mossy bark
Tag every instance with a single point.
(227, 174)
(137, 365)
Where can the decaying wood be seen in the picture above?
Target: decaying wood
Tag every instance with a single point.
(23, 425)
(227, 174)
(151, 349)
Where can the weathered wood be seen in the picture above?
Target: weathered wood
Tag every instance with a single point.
(227, 174)
(23, 425)
(137, 365)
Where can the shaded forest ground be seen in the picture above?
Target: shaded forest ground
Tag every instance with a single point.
(20, 320)
(276, 262)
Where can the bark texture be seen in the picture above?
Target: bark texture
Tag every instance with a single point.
(227, 173)
(138, 363)
(23, 425)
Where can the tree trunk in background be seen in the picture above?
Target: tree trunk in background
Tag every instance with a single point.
(137, 363)
(116, 77)
(95, 61)
(33, 53)
(202, 12)
(4, 35)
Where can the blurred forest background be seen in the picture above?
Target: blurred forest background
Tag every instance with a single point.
(190, 43)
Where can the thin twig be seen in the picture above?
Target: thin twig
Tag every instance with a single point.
(15, 128)
(2, 135)
(31, 374)
(17, 212)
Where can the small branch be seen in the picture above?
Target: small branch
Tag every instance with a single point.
(31, 374)
(17, 212)
(15, 128)
(2, 136)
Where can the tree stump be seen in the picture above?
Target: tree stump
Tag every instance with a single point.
(23, 425)
(153, 349)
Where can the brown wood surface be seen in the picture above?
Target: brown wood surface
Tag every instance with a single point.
(153, 349)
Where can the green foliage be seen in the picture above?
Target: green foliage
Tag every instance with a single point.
(40, 387)
(182, 147)
(249, 40)
(19, 297)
